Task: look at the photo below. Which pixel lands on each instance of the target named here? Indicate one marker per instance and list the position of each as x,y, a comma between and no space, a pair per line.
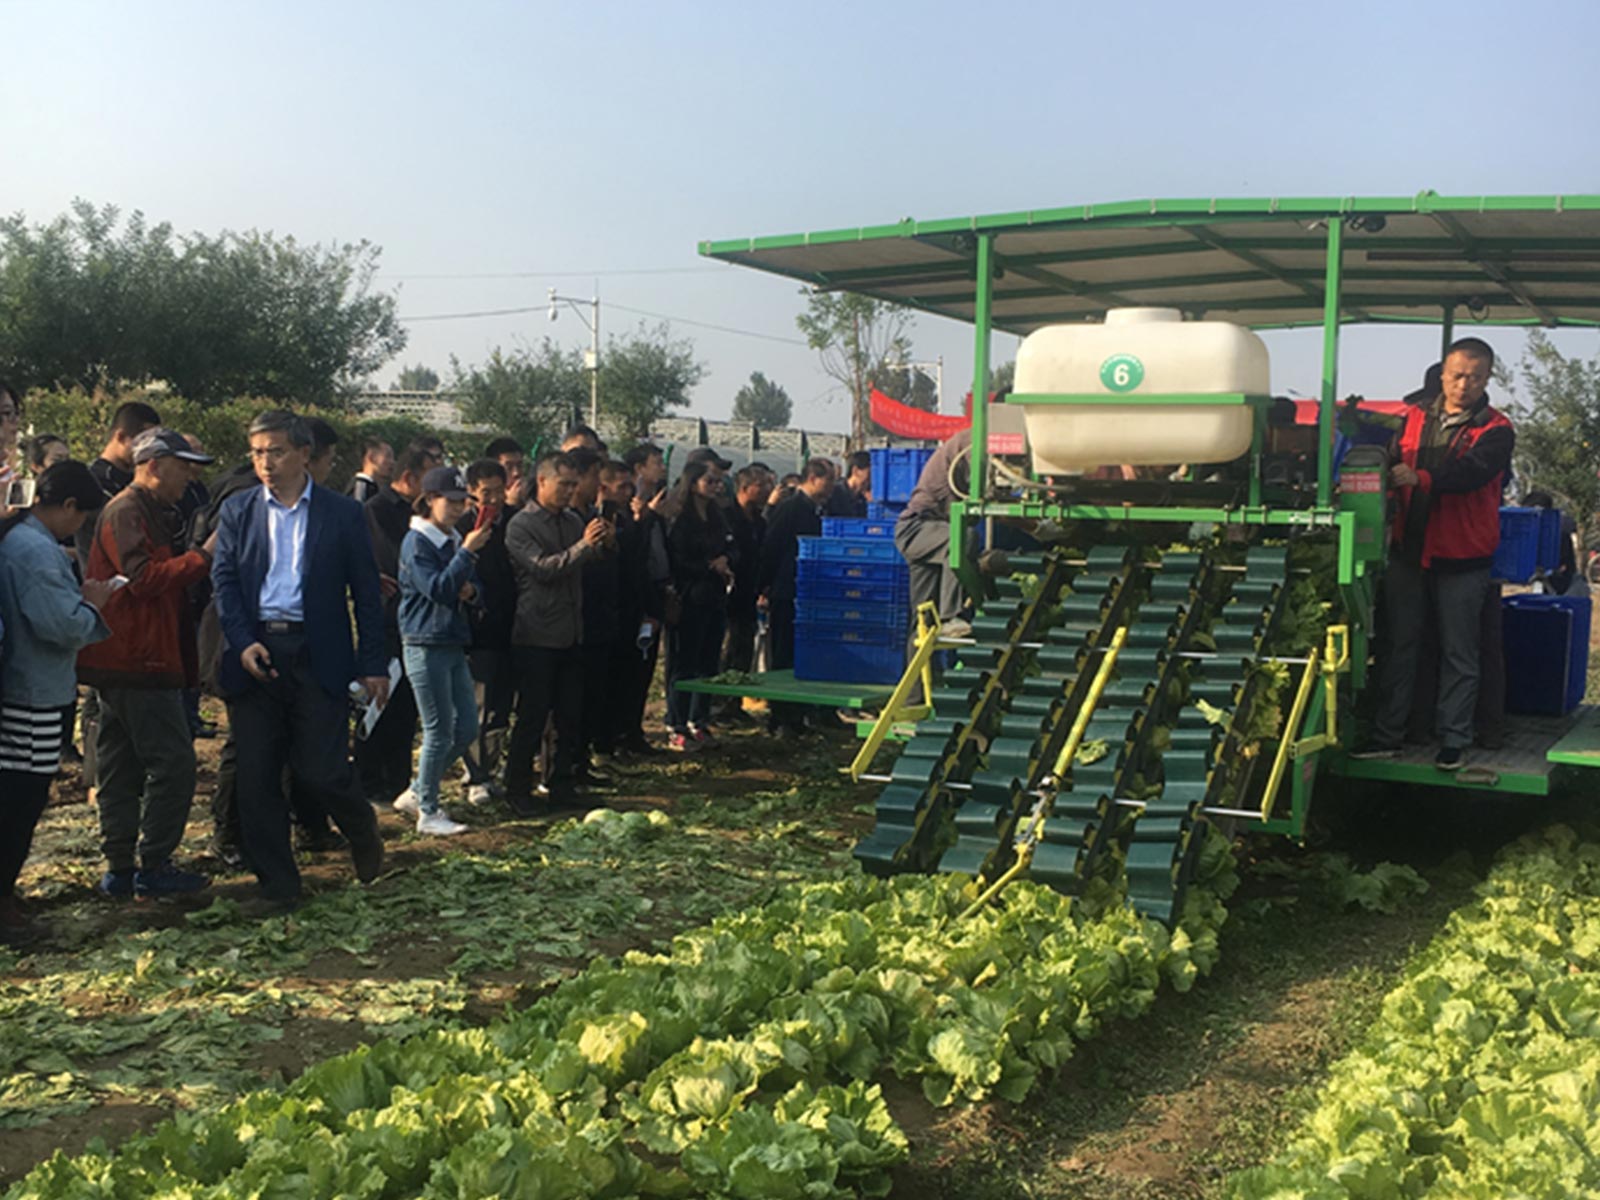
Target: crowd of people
507,613
512,613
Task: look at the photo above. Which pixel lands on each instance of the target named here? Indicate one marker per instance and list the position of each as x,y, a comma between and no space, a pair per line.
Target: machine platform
784,688
1534,748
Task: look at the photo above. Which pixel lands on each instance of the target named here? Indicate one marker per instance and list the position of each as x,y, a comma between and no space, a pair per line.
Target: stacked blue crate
895,470
853,604
884,510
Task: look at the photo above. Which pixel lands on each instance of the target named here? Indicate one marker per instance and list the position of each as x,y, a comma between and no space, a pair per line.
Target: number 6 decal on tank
1121,373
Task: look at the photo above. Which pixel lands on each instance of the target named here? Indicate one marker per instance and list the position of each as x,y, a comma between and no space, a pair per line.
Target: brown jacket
152,643
547,554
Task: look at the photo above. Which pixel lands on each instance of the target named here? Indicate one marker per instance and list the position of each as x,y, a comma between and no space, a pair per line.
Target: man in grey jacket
548,544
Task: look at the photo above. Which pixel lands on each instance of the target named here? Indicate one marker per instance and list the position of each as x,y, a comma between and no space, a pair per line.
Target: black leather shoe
524,805
318,841
367,855
260,908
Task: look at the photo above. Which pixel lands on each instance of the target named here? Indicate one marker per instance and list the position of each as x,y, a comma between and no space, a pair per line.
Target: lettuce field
700,995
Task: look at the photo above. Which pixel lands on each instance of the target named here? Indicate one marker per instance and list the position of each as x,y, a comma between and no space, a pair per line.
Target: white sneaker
479,793
438,824
406,802
955,630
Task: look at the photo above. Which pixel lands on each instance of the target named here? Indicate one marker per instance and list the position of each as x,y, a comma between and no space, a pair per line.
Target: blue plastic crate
849,550
1549,540
1547,638
895,470
1517,558
863,654
883,510
856,527
895,613
854,591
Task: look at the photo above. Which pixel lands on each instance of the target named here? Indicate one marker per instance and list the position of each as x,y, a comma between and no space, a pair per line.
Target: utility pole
858,421
592,358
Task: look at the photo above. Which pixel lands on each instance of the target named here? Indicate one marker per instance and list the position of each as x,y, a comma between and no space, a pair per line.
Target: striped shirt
31,738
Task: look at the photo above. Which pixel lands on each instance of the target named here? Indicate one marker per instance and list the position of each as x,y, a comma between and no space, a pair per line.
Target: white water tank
1139,352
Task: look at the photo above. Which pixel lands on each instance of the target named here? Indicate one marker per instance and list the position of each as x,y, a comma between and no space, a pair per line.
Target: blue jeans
442,684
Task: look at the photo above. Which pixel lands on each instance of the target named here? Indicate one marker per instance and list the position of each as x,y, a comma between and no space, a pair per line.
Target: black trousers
494,682
549,686
640,674
303,804
383,757
780,648
741,651
292,720
26,794
600,695
623,715
694,649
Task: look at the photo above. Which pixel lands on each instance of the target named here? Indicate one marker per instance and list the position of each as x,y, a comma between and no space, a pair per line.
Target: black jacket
797,517
747,533
694,543
845,503
491,618
602,595
389,520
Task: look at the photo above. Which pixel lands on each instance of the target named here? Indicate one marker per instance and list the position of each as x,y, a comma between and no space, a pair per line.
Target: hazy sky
562,141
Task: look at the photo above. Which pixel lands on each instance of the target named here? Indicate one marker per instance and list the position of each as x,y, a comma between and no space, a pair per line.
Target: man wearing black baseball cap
143,745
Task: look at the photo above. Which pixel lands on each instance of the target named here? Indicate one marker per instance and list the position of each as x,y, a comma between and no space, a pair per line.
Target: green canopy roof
1499,260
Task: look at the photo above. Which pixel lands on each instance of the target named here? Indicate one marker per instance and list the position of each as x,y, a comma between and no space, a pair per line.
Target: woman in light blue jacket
47,618
438,578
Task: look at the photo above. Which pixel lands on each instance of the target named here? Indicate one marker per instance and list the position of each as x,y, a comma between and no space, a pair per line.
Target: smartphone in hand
486,516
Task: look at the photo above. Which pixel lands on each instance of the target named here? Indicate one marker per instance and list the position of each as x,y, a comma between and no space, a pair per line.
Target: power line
644,312
639,312
563,274
464,316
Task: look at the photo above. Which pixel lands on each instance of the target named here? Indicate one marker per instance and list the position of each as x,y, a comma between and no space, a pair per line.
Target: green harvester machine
1159,664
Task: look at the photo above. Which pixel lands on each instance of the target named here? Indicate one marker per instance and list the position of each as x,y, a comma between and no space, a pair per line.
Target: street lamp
592,358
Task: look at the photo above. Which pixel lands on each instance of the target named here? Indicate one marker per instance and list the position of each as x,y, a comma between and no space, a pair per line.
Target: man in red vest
1448,469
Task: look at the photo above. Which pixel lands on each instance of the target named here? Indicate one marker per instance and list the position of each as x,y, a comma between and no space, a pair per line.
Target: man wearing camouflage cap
146,756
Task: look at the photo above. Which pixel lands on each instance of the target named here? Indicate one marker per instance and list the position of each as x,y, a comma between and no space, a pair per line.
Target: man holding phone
489,657
292,560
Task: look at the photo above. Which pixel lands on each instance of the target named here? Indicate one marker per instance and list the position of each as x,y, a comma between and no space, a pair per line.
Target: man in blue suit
291,559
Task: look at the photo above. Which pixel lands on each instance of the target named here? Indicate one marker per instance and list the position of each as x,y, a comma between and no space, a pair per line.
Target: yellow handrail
1028,838
1335,659
919,670
1287,739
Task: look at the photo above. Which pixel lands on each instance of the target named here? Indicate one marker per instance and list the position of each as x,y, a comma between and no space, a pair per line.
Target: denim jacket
433,566
47,620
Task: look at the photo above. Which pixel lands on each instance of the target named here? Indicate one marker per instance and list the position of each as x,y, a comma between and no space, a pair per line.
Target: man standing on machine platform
1448,469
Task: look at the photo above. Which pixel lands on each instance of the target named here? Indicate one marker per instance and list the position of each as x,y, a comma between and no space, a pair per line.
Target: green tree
1003,377
1557,416
529,394
855,335
416,379
91,301
644,376
762,403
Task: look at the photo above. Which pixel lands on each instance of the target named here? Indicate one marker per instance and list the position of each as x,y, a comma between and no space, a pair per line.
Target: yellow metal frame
1330,662
899,707
1028,837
